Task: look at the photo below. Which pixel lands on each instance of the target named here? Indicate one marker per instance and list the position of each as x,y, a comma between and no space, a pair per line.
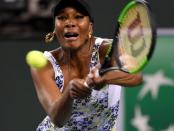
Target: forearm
60,111
57,104
122,78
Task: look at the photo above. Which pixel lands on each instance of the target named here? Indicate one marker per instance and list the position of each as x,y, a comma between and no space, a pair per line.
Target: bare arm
114,77
122,78
56,104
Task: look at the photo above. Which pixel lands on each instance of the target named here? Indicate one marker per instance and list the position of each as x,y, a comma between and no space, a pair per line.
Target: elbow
56,118
56,121
138,79
60,112
59,124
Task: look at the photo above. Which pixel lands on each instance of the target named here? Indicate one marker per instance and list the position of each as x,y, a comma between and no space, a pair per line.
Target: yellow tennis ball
36,59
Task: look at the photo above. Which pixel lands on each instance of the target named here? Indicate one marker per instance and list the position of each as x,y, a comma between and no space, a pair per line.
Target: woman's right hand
78,90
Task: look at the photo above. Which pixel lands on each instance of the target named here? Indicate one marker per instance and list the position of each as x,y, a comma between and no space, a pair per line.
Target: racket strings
135,37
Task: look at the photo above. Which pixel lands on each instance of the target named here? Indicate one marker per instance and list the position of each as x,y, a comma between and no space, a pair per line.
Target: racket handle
86,84
93,73
88,80
99,73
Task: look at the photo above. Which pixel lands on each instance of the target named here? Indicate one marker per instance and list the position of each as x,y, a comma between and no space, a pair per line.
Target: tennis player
70,105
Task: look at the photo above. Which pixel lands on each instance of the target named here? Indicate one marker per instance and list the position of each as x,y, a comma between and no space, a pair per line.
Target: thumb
95,71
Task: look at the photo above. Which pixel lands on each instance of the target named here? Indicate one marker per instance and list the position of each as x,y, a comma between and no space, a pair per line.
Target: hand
78,89
94,80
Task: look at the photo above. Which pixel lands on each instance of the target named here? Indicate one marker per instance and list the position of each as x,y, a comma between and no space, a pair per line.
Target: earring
49,37
89,35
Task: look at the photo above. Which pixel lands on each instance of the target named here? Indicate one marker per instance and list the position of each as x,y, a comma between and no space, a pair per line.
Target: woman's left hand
94,80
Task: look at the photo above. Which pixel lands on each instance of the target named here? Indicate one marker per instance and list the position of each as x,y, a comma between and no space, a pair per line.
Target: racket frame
114,46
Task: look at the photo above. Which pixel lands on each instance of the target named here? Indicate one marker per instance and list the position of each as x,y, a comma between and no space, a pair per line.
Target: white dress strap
57,70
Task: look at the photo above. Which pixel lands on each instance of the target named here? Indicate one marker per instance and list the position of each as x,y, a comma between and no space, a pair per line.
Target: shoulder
105,45
56,53
107,40
102,41
47,70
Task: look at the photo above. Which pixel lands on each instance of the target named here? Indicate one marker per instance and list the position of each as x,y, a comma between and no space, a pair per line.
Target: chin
68,47
72,45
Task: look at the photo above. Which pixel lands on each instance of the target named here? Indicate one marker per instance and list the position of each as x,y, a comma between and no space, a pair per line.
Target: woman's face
72,28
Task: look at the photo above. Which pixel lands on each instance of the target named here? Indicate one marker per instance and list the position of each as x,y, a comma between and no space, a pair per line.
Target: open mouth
71,35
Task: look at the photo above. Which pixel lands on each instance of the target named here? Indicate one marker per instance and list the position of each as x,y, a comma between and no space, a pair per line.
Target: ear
91,28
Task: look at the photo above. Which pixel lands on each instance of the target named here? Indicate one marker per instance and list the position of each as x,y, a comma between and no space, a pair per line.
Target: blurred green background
154,98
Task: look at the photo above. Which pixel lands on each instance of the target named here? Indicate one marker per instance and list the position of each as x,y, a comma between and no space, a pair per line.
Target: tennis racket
134,39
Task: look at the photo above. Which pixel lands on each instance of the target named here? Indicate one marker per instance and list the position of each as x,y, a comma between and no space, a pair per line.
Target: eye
61,17
79,16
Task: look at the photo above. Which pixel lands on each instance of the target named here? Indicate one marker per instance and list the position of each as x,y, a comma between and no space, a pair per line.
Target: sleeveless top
96,113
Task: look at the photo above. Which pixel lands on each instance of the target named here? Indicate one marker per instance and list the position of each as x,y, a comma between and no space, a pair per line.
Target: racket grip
94,73
88,81
101,72
86,84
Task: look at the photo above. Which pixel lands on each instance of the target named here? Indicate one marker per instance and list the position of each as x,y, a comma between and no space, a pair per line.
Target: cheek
84,29
58,26
58,29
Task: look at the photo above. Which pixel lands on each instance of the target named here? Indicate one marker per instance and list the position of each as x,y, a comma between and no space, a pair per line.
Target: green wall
157,103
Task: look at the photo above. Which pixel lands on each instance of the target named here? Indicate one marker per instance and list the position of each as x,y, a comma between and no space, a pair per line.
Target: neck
80,54
79,59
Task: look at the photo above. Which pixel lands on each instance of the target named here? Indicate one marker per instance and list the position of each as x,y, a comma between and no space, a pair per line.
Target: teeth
69,34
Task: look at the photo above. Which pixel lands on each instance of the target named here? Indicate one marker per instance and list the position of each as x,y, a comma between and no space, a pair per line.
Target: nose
70,23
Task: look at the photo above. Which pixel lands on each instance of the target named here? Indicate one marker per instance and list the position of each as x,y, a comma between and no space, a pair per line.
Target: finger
96,72
72,95
81,92
78,83
77,94
86,84
88,81
79,87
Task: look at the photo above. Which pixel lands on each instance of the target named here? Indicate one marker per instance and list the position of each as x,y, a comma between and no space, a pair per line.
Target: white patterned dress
96,113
